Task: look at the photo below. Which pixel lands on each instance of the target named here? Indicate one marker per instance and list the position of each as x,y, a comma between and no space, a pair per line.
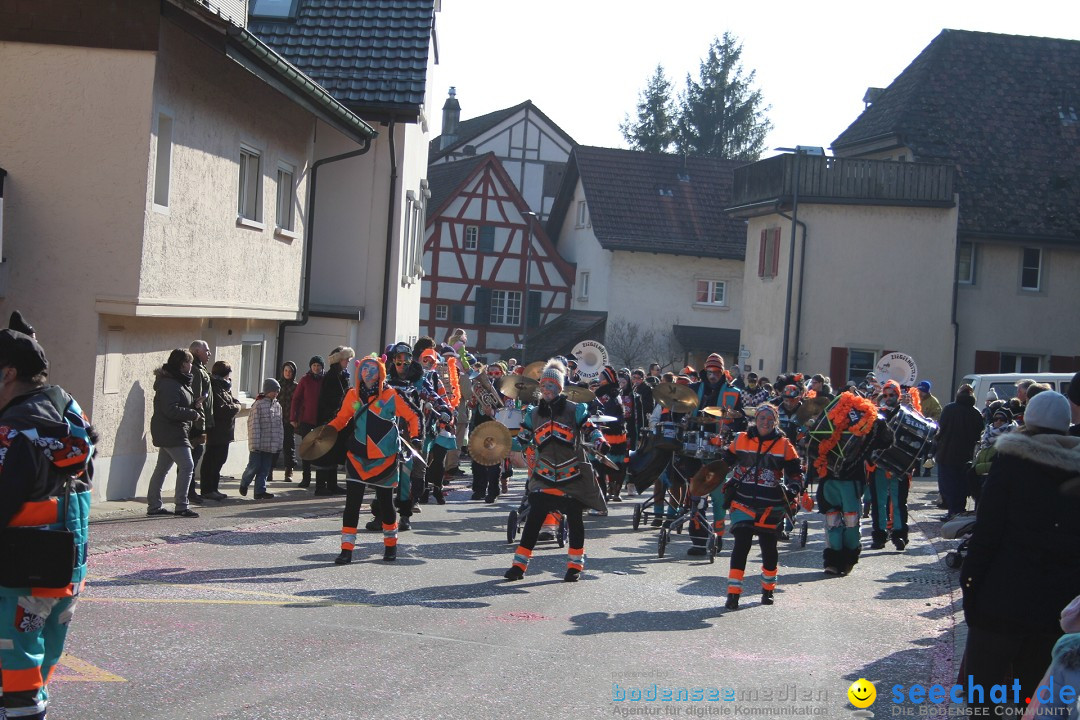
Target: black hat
23,353
18,324
316,359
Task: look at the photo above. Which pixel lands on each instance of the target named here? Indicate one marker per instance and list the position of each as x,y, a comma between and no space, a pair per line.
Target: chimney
871,96
451,113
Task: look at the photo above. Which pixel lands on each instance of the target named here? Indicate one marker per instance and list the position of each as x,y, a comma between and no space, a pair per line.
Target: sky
585,62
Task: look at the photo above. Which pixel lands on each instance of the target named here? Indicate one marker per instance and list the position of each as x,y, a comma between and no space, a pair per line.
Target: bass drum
912,436
846,451
646,465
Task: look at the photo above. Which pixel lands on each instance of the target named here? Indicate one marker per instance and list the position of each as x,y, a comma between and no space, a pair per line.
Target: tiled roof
370,54
469,130
1002,108
694,338
653,202
560,336
445,178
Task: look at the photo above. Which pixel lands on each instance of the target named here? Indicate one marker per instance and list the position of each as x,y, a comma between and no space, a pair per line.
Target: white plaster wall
196,251
74,138
995,314
580,247
876,278
405,300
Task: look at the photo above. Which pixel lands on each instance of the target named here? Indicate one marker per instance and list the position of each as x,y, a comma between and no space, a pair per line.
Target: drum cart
515,521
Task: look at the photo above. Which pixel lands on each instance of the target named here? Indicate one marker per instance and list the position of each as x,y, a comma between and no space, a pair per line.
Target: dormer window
273,9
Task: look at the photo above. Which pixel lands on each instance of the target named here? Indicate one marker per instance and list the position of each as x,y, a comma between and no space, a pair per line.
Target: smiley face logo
862,693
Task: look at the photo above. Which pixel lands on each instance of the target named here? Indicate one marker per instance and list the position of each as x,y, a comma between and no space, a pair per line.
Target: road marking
84,671
208,601
280,598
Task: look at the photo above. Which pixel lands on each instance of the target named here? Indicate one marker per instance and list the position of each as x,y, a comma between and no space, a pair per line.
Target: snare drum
667,436
912,435
509,417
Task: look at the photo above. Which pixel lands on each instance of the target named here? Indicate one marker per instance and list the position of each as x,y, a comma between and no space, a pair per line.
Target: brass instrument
485,393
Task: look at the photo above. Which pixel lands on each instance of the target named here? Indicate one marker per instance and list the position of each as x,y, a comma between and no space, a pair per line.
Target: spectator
226,407
1074,403
304,407
200,390
265,437
1022,398
654,370
1064,670
288,389
931,408
331,394
1026,536
170,431
42,490
1036,388
959,429
1001,422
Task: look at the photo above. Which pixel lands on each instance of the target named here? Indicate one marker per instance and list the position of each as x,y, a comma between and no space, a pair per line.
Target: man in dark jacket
200,390
331,394
959,430
46,446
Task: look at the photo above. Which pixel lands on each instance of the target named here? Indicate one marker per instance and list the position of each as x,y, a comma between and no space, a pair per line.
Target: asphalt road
241,614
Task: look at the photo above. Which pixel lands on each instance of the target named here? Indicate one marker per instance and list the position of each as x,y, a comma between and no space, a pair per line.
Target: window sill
160,210
710,306
280,232
242,221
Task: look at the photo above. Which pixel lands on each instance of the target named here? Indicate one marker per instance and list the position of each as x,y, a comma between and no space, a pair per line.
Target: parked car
1004,384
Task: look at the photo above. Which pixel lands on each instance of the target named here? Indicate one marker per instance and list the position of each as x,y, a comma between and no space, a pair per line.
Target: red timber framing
457,277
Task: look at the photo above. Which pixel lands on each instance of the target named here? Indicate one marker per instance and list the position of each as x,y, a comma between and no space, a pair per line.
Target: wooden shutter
838,367
482,314
486,239
775,252
457,312
987,361
761,253
533,311
1063,363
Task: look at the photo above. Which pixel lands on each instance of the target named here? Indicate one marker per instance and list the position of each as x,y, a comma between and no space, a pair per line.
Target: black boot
344,558
389,553
900,539
832,560
439,496
305,482
572,575
404,523
766,597
849,558
877,539
514,573
320,486
732,601
375,524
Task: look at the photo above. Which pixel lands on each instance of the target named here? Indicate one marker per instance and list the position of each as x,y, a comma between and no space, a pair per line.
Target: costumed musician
407,377
377,411
888,491
445,438
643,404
485,401
560,478
609,402
767,475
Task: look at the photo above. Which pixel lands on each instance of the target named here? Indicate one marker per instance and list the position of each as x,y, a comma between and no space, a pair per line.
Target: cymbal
716,411
576,393
810,408
489,443
676,398
533,369
709,419
599,419
597,455
318,442
519,387
708,478
410,450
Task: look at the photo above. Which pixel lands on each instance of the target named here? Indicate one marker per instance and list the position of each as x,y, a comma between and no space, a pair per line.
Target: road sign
744,354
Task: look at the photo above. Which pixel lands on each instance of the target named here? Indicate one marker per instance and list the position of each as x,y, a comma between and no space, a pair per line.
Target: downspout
309,232
389,235
791,262
802,272
955,322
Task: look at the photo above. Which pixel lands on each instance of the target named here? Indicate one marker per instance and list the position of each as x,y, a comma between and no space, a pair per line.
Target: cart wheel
710,547
637,515
561,536
804,530
661,544
512,526
953,560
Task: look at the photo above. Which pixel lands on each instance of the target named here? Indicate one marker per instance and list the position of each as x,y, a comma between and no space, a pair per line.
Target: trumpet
485,393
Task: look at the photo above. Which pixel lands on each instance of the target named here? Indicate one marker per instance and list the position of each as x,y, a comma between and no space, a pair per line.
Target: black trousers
540,504
486,480
213,460
436,472
744,539
354,498
288,448
994,658
302,430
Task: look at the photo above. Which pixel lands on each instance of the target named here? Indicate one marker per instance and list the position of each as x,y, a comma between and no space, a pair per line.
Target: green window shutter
534,308
486,240
457,313
482,316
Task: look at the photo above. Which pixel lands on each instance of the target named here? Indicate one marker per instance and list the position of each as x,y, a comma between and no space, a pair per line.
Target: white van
1004,384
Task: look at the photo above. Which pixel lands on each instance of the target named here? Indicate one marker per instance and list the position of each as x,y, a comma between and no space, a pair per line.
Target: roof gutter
258,57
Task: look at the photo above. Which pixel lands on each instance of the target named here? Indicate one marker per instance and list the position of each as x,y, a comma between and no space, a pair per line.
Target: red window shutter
987,361
838,367
1061,363
886,352
776,252
761,253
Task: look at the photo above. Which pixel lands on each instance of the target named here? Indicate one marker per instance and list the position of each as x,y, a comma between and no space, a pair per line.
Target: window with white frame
251,366
582,214
583,286
471,234
860,362
442,312
965,263
412,267
1017,363
1031,270
163,162
711,292
286,196
505,307
249,202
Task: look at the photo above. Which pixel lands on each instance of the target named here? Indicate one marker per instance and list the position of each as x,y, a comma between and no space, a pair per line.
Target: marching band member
486,478
372,456
888,493
787,407
755,393
554,429
767,475
609,402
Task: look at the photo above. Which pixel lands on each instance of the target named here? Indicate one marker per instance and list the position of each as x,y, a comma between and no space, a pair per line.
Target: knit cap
555,371
271,385
714,362
1049,410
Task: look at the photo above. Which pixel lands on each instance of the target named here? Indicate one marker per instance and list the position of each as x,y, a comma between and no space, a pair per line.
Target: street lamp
529,216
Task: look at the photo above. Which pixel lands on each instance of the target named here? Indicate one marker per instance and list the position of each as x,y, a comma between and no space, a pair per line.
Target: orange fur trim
840,415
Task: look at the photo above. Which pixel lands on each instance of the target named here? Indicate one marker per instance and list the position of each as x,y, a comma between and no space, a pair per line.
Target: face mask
549,390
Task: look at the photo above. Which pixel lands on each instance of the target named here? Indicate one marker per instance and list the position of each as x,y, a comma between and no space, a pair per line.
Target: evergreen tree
654,129
721,114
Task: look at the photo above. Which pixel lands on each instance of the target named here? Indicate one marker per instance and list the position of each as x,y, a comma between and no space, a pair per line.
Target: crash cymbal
715,411
318,442
709,419
489,443
533,369
676,398
576,393
599,419
810,408
519,387
597,455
